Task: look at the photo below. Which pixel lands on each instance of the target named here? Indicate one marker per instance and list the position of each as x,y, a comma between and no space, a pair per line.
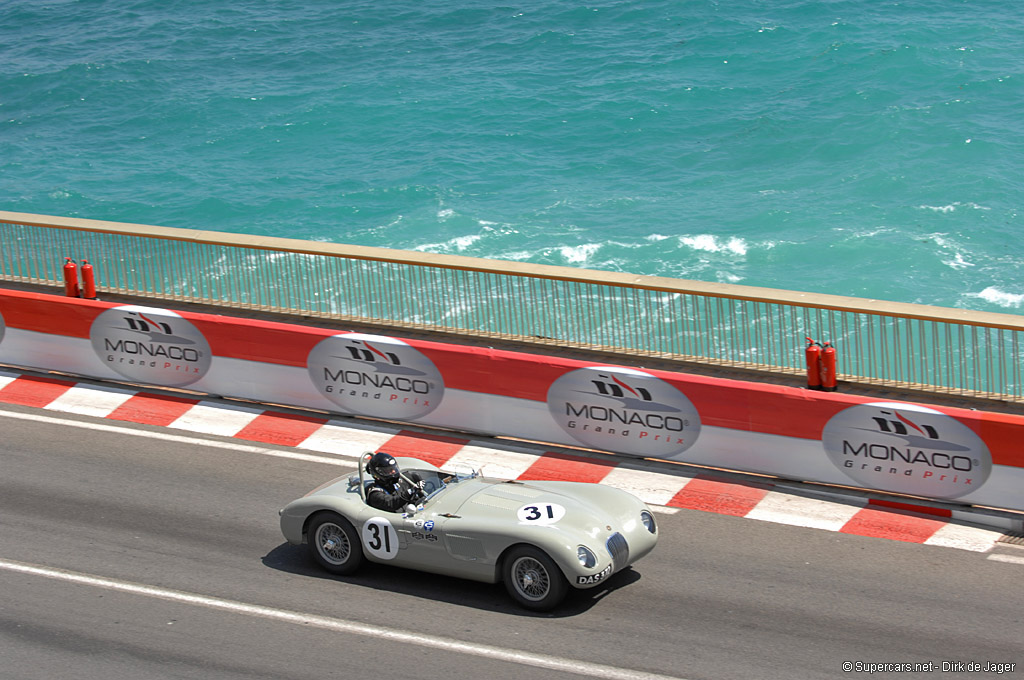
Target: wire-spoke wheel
533,579
334,544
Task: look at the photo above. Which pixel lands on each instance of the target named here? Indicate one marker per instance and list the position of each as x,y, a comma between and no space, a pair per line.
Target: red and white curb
707,492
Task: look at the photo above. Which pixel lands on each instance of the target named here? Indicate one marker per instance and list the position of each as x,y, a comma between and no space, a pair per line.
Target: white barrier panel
941,453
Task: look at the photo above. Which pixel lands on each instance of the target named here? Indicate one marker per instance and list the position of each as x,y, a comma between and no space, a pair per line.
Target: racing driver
390,491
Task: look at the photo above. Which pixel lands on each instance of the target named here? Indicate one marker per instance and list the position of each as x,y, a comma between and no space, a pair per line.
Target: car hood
593,509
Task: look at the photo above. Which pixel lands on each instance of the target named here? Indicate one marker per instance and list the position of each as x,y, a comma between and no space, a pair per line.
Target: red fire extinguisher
828,368
70,278
813,356
88,281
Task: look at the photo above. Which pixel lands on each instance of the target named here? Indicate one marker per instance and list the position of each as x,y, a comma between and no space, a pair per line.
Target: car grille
618,548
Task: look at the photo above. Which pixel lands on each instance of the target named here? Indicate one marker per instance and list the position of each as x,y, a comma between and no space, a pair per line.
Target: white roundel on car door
380,538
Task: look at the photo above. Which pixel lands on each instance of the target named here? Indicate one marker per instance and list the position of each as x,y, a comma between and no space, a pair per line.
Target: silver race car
537,537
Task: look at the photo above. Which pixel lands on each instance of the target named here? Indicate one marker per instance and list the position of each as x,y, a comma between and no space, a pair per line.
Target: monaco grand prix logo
907,448
154,346
376,376
624,410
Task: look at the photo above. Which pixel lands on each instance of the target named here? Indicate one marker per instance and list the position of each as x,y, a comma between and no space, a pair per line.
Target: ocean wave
999,297
457,244
958,262
714,244
953,255
579,254
952,207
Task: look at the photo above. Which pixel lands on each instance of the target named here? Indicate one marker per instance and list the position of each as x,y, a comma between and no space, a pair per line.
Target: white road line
180,439
335,437
90,400
654,488
805,512
554,663
1012,559
663,510
492,462
211,418
963,537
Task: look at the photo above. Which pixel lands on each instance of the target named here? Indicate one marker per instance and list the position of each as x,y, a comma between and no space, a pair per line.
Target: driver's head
383,468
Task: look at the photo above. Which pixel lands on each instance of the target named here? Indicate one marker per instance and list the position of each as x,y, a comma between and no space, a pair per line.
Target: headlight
648,520
586,556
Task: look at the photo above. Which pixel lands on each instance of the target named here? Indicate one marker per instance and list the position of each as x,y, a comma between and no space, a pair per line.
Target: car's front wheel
533,579
334,544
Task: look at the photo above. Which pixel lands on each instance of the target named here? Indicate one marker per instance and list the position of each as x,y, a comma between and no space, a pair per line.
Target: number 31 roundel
380,538
540,513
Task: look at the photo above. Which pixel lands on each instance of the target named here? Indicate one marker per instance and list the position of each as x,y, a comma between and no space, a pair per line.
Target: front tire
334,544
533,579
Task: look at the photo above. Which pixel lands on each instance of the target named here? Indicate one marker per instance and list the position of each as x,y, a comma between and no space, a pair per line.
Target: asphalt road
125,556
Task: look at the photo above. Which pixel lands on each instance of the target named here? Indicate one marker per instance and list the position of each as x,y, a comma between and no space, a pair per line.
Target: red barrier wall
938,452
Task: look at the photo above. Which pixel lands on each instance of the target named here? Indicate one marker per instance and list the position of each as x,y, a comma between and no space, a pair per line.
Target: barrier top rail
883,342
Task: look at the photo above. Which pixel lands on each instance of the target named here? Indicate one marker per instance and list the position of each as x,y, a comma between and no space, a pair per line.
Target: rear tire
334,544
533,579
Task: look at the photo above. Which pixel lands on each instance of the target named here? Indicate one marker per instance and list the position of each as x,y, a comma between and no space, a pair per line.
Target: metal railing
945,350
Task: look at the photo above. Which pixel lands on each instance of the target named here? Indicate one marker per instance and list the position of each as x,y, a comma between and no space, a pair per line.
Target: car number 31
541,513
380,538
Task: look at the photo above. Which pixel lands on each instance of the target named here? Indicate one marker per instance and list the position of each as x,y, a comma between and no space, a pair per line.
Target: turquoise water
867,149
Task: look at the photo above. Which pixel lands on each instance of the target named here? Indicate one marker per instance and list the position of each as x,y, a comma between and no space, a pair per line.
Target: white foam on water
953,207
463,242
457,244
955,257
516,255
579,254
713,244
958,262
999,297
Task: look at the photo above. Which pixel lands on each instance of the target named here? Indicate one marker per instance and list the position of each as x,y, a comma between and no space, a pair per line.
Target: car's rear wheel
533,579
334,543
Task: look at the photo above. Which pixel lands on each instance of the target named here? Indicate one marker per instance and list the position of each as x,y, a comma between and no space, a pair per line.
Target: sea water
872,149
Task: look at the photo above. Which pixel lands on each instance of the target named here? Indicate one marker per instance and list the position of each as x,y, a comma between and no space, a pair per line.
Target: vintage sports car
539,538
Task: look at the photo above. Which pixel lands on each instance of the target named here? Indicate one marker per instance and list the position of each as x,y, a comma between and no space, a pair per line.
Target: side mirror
410,509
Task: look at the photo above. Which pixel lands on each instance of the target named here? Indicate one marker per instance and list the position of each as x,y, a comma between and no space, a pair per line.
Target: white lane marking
91,400
545,661
1012,559
651,487
492,462
333,437
179,439
210,418
802,511
963,537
